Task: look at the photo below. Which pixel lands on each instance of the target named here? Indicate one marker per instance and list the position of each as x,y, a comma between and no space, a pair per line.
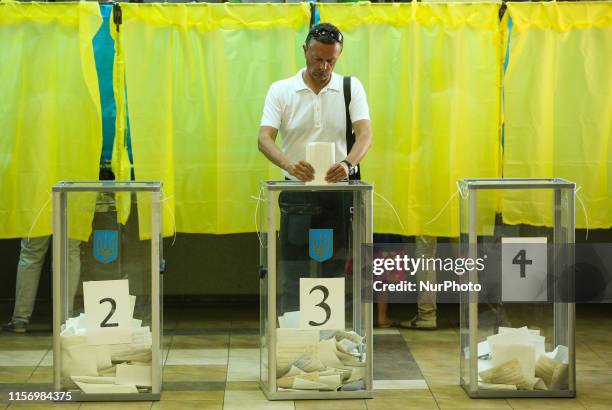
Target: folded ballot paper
321,155
515,359
310,359
106,368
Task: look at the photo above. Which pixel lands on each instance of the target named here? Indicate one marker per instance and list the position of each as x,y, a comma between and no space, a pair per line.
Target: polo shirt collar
335,83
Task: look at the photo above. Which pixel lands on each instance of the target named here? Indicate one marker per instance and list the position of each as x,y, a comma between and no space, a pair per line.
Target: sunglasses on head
323,33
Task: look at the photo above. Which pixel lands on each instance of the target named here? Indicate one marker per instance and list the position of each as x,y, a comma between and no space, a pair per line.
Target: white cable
164,199
444,207
394,211
463,195
586,217
38,216
258,199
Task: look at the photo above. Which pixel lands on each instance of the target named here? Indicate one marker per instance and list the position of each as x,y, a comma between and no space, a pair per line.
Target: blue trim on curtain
104,54
506,60
316,18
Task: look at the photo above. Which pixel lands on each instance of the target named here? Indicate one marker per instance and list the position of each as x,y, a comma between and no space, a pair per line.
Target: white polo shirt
301,116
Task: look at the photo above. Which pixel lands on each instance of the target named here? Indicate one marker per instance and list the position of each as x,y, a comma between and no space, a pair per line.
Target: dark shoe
386,325
418,323
15,327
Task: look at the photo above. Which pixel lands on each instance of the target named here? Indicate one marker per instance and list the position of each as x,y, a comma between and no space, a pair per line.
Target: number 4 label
107,311
322,303
524,269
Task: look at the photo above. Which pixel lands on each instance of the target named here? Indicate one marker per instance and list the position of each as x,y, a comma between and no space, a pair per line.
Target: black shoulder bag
350,135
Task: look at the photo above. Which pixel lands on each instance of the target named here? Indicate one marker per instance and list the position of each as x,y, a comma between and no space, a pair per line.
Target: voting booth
517,310
316,329
107,290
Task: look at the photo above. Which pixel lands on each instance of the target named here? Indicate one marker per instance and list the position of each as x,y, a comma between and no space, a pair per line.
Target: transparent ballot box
107,290
517,307
316,328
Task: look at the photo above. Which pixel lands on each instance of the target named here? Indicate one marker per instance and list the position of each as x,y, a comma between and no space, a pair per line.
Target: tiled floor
212,358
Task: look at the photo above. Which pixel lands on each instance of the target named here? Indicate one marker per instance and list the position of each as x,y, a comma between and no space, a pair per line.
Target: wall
195,265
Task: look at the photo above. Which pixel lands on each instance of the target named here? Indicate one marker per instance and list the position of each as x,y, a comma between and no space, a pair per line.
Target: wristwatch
352,169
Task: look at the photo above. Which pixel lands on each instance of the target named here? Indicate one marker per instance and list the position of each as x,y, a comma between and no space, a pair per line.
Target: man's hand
302,170
337,172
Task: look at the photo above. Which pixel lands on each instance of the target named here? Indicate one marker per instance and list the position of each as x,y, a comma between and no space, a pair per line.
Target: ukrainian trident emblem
321,244
105,246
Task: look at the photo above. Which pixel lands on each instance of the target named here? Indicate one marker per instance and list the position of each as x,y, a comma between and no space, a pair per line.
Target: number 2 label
108,314
113,307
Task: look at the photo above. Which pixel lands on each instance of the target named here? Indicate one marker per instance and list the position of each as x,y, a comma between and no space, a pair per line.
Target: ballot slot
107,290
316,331
517,335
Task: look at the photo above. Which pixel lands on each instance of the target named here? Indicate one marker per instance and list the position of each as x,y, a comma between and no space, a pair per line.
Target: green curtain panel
196,77
50,121
432,73
558,108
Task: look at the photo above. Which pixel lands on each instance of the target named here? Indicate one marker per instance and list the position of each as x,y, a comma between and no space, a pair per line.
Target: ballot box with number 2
316,328
107,290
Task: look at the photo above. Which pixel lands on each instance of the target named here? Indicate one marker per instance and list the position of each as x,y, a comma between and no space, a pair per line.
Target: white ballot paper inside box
107,312
139,375
321,155
503,330
289,320
97,388
521,336
132,305
297,347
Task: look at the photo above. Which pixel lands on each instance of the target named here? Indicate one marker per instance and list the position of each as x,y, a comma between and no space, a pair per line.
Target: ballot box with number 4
517,303
107,290
316,326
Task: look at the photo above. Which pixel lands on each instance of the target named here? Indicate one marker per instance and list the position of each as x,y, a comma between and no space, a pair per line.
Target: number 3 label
322,303
107,311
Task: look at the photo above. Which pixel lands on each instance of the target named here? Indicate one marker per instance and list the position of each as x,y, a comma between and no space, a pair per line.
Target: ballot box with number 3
316,326
517,308
107,290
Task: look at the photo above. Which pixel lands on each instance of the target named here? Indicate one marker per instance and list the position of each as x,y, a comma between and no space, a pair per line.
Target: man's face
321,59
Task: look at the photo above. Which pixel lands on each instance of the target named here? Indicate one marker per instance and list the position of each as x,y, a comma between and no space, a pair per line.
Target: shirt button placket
317,112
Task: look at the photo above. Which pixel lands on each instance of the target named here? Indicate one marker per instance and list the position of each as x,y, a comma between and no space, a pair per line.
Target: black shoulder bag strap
350,135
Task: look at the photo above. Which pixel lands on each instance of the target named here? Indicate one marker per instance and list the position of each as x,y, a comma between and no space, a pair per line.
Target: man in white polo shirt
310,107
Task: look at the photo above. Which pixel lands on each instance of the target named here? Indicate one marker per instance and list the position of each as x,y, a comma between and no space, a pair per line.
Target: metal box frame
60,254
362,311
564,313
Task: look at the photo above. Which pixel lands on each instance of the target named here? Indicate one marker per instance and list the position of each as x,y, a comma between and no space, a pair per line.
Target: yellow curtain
432,73
558,107
196,78
50,121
